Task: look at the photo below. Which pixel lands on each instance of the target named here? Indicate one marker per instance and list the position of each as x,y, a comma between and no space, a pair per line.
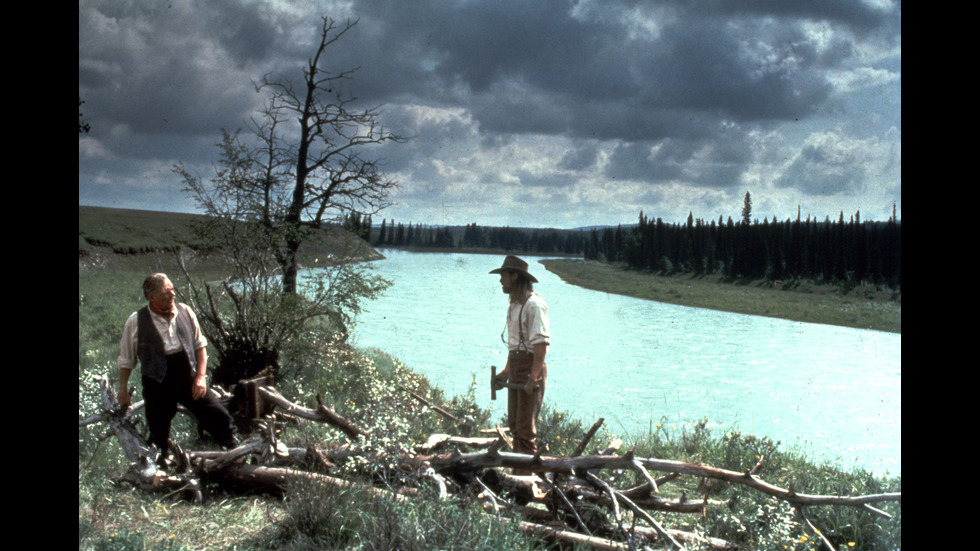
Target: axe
514,386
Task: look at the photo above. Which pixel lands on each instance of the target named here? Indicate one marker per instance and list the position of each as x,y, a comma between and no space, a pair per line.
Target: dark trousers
161,399
522,410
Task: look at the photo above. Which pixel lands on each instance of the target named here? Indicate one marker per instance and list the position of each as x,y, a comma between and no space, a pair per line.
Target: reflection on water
835,392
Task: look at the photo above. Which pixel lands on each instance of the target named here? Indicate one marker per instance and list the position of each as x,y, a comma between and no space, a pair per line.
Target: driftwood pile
560,484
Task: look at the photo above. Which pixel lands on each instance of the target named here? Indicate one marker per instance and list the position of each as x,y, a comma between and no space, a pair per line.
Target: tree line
414,235
832,252
474,236
847,252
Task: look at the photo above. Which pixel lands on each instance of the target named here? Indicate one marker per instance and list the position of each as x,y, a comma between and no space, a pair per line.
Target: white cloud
853,80
831,163
91,148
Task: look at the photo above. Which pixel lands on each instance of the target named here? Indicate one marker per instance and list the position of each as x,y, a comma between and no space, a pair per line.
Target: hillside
129,231
110,237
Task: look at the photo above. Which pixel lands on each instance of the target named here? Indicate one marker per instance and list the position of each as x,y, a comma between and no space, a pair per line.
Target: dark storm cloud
680,85
507,58
149,70
581,157
550,67
858,15
655,92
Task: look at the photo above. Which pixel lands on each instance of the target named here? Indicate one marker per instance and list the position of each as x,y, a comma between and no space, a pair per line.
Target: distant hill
128,231
103,230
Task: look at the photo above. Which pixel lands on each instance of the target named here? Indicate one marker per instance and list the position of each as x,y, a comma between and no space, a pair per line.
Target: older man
166,340
527,343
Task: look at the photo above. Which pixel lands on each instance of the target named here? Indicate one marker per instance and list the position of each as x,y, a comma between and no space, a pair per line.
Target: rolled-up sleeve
539,331
199,340
127,345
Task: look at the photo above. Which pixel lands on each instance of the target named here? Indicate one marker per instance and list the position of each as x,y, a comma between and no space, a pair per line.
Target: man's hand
200,387
530,386
501,378
123,398
498,382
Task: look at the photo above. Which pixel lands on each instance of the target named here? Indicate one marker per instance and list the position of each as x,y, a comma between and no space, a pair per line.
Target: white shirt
536,329
165,326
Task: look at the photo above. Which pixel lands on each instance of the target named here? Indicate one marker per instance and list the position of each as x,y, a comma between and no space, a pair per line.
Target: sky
521,113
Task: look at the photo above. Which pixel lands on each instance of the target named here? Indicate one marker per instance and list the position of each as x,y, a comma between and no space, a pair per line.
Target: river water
829,391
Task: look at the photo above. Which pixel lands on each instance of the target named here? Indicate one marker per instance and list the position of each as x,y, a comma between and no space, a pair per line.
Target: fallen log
322,413
437,441
263,463
261,477
550,533
571,465
616,496
134,446
535,520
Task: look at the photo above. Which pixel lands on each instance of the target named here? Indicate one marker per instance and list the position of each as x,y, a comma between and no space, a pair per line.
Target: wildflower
850,544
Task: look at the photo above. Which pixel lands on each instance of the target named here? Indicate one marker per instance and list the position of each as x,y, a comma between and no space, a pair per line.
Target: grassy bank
364,386
863,307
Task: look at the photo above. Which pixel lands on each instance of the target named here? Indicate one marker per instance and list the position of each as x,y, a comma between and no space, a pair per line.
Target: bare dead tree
324,170
303,164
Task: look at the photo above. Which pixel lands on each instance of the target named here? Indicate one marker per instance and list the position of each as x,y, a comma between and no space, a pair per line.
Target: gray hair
153,282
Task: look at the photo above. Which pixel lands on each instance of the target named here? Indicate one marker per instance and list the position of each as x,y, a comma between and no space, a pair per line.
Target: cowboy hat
514,264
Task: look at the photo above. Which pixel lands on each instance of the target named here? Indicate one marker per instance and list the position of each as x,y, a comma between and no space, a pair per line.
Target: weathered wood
535,519
643,498
549,533
322,413
437,441
256,405
636,510
308,457
135,447
570,465
263,462
278,478
588,436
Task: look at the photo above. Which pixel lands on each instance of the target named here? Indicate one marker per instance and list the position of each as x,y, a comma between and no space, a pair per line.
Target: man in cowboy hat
527,343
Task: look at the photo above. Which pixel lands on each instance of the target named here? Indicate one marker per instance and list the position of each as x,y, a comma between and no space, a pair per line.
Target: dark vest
149,344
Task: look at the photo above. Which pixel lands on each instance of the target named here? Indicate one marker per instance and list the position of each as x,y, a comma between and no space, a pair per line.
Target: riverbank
863,307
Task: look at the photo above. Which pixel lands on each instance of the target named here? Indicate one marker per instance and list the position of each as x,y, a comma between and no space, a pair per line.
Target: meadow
864,306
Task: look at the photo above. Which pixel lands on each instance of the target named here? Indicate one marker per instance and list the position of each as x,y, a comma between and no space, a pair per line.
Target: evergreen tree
381,233
747,209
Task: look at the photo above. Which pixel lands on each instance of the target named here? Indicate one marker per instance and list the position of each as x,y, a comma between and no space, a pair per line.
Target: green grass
131,231
366,386
863,307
